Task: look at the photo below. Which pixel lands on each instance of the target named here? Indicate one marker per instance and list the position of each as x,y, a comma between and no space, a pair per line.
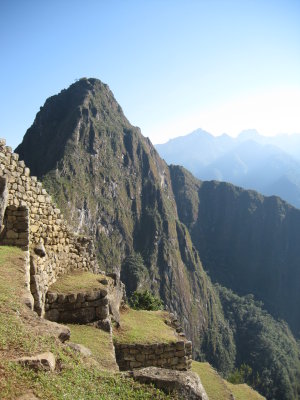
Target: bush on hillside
145,301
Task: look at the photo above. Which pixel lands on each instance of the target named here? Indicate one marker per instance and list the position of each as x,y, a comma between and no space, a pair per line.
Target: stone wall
177,355
33,222
81,308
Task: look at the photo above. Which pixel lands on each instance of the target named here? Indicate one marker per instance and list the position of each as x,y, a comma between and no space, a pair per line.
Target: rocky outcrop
187,384
40,362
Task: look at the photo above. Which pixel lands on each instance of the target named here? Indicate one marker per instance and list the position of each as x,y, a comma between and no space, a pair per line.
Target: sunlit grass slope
144,327
20,335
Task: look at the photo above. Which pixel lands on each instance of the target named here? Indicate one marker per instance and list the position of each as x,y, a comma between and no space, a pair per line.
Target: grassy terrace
144,327
212,382
77,281
219,389
243,392
98,341
21,334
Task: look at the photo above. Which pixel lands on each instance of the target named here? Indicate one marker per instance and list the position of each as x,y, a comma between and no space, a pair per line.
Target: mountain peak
70,117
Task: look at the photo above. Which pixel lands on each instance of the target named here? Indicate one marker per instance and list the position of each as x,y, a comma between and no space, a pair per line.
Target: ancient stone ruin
30,220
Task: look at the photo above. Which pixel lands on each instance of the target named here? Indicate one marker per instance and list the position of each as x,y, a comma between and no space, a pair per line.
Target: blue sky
173,66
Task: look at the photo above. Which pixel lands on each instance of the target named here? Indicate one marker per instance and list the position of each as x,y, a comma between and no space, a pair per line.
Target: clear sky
174,66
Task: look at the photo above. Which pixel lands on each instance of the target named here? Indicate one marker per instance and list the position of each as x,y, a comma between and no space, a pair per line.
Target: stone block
180,345
72,297
102,312
12,234
52,315
93,295
135,364
40,362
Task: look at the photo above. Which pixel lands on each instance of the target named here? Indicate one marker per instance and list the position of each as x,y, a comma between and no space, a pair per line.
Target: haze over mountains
270,165
111,183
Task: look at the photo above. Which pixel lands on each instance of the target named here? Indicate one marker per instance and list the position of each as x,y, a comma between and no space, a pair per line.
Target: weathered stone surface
79,348
40,362
3,198
104,324
28,299
157,354
187,384
63,332
39,249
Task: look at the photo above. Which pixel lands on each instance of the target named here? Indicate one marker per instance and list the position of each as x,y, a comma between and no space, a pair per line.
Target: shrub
145,301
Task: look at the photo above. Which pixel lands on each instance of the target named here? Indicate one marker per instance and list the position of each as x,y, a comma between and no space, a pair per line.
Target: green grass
19,335
219,389
211,381
77,281
139,326
98,341
243,392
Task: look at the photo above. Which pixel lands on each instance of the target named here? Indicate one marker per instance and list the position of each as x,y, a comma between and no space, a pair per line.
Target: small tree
145,301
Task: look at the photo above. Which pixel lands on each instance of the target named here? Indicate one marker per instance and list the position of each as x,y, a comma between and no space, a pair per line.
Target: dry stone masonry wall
177,355
31,220
81,307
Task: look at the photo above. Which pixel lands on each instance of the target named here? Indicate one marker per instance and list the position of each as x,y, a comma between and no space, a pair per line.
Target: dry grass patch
211,381
144,327
77,281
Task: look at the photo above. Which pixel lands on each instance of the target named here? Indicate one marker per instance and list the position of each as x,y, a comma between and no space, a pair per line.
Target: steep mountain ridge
247,242
110,182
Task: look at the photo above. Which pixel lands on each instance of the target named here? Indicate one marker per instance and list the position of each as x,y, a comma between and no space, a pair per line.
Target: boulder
28,299
187,384
104,325
79,348
62,332
39,362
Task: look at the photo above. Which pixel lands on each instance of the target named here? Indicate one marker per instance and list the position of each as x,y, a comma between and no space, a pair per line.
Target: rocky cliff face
110,182
247,242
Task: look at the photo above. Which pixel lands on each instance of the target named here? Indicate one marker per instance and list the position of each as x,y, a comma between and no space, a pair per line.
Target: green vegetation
243,392
134,274
98,341
144,327
21,334
266,346
244,374
218,388
76,281
212,382
145,301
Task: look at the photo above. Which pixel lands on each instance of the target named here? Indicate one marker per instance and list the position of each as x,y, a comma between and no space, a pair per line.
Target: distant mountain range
270,165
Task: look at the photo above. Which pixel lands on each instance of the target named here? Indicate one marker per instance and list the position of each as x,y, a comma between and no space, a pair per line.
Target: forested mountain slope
247,242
